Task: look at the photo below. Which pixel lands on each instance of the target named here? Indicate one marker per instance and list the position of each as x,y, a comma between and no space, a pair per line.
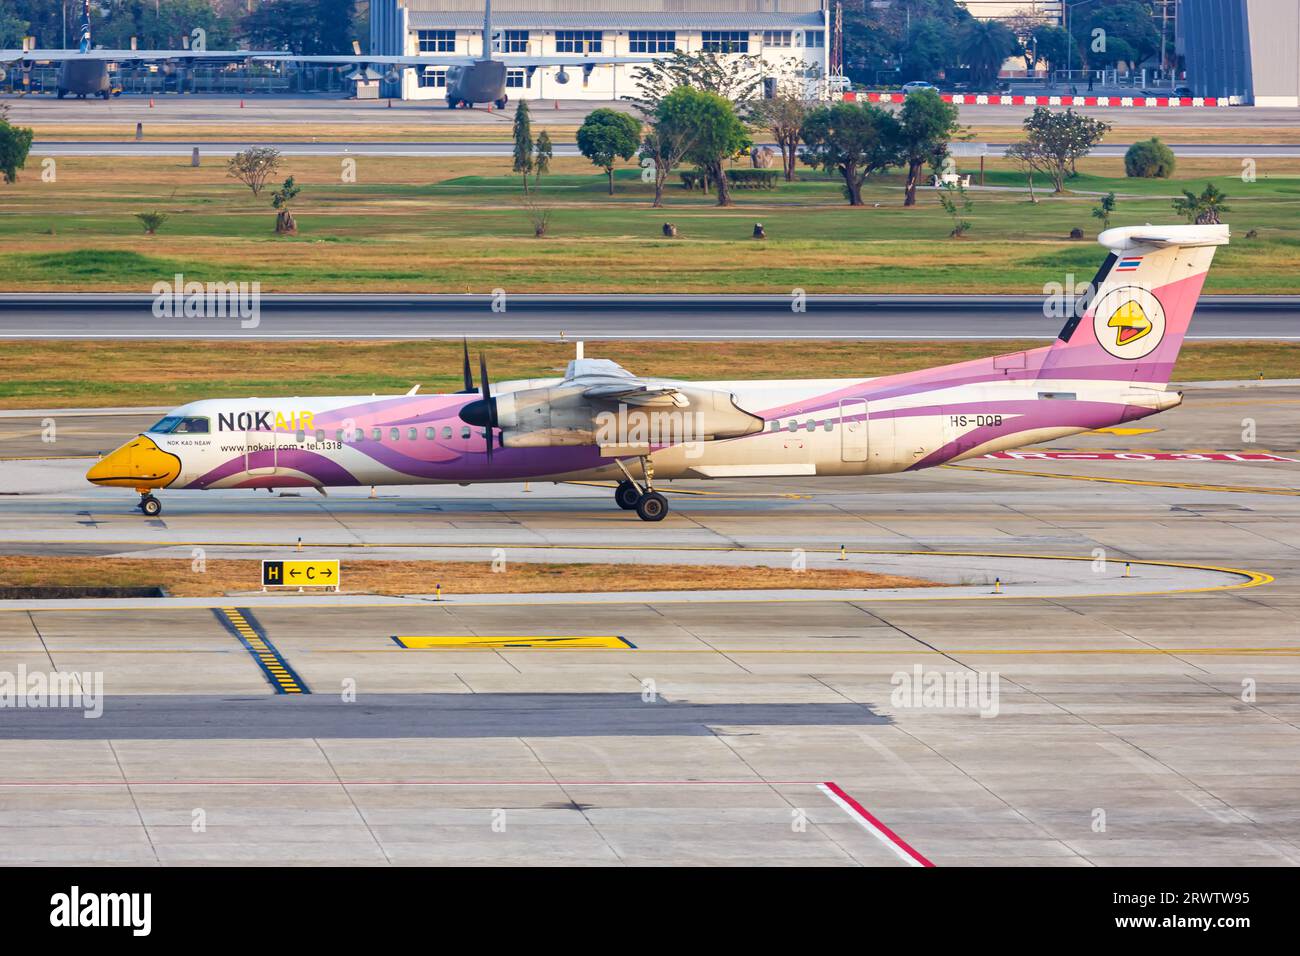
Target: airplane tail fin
1140,307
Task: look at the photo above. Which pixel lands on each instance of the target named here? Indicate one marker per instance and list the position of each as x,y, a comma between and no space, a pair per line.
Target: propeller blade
491,408
467,373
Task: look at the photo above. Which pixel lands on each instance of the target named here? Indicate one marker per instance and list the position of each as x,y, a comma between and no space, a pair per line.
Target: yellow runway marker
1123,432
969,652
472,642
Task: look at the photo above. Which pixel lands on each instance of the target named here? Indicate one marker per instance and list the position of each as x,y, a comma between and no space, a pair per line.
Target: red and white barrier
995,99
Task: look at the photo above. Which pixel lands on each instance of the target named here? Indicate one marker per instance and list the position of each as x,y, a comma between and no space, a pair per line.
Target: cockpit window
178,425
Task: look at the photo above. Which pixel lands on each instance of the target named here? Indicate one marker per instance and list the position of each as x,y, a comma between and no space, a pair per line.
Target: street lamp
1069,37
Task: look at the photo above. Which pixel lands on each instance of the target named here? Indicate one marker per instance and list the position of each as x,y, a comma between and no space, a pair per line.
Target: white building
779,31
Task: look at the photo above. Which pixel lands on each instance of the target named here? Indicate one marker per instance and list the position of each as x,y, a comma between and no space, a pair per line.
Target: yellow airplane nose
139,464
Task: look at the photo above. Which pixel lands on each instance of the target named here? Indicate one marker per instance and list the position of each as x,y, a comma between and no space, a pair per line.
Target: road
291,316
503,148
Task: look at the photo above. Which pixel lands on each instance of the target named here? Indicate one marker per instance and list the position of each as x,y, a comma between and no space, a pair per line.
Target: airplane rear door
853,430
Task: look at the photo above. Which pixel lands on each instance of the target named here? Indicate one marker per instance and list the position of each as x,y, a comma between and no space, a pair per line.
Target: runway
1126,728
677,317
46,111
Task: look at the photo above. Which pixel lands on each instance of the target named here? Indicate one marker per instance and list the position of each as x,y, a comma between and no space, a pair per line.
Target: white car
914,85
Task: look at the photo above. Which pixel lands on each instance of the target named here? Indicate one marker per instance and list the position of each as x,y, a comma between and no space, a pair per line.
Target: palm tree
984,45
1205,209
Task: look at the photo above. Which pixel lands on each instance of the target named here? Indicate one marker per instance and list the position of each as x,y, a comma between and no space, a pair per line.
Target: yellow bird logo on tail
1130,323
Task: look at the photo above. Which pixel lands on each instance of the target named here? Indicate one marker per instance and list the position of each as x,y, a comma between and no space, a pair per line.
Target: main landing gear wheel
652,506
501,103
150,505
626,495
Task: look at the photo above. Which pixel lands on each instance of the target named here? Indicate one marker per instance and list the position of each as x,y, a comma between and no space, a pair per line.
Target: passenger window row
793,425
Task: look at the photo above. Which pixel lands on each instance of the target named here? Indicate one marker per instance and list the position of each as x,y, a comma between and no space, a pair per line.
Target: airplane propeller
467,373
482,413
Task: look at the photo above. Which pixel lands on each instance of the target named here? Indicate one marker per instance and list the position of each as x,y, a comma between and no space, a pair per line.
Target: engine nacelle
564,415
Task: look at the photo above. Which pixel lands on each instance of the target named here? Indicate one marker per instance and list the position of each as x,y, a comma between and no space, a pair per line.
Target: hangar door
853,430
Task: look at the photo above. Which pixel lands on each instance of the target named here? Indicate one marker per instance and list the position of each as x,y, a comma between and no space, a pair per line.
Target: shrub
753,178
152,221
1149,159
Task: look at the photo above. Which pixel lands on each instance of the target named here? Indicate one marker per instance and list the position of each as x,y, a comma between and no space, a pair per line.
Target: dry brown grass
421,577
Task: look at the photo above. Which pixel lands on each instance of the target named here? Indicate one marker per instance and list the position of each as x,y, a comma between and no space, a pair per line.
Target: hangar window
433,77
578,41
776,37
437,41
516,41
377,434
516,79
726,41
178,425
652,41
814,38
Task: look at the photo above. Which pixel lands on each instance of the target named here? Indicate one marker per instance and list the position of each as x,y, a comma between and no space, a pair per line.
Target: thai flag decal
1129,264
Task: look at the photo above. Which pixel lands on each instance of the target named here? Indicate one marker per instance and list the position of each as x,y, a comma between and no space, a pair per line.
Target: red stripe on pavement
874,824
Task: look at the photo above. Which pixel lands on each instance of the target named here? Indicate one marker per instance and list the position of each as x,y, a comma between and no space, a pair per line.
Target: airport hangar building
780,31
1244,48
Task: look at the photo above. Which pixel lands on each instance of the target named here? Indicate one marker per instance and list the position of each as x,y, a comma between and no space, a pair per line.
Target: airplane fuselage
810,427
84,78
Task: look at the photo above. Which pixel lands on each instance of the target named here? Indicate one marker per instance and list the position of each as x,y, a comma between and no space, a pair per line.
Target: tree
15,142
738,78
852,139
925,125
1104,209
1029,160
543,152
158,26
1204,209
984,45
1149,159
912,40
522,162
1128,32
607,136
956,208
716,132
300,26
152,221
13,27
285,224
670,137
783,117
1062,138
254,166
1049,44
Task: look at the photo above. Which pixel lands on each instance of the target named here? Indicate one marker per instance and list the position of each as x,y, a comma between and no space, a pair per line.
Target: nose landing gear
150,505
648,504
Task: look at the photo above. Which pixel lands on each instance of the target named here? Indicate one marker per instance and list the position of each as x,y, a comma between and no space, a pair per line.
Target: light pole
1069,37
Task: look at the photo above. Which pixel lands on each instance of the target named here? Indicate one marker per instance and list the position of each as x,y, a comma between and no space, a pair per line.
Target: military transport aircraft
470,79
85,72
1110,364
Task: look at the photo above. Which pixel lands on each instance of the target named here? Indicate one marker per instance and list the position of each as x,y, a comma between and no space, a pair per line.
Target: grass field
87,374
458,224
421,577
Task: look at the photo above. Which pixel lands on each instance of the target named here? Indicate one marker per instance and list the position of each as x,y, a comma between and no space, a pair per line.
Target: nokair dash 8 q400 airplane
1108,366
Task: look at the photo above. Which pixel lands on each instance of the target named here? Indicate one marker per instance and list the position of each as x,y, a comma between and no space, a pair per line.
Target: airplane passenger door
853,430
260,454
